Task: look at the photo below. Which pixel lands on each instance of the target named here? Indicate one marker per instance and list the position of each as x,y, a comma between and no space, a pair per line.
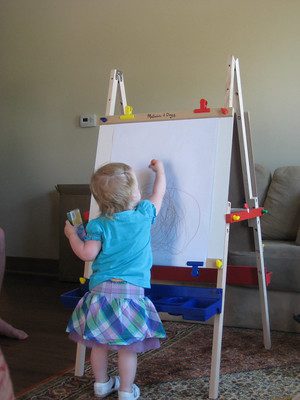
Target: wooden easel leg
116,82
262,285
218,324
81,349
255,224
216,356
248,169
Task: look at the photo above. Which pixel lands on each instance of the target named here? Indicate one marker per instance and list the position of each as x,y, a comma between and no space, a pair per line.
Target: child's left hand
69,229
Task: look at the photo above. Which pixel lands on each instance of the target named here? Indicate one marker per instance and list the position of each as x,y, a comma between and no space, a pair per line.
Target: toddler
115,314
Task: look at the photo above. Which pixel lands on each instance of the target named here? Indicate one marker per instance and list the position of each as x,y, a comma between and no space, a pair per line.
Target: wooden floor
32,303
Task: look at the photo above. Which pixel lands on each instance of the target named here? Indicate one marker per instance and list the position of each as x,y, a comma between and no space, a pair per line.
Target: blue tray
71,298
192,303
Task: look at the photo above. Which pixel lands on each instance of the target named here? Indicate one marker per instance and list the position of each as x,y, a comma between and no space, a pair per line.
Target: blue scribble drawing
173,232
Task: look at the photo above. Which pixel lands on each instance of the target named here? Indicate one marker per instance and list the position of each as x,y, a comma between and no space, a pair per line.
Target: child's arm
159,187
86,251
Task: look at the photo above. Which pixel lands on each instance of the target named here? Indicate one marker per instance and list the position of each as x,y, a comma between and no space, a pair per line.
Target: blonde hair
113,186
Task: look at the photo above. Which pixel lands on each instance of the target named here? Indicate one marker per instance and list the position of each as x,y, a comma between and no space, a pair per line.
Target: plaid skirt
114,315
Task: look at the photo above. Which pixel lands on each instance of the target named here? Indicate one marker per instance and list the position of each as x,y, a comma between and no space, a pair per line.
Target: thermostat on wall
87,121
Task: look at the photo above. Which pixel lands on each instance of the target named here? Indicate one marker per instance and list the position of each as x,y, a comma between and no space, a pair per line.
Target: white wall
56,56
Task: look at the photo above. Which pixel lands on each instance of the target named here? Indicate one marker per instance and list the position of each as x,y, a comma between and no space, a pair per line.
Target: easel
233,98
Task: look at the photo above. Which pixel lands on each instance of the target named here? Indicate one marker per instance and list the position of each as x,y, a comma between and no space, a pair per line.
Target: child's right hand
69,229
156,166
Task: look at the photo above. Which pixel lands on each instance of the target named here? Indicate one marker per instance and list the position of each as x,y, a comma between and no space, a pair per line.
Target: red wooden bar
240,275
241,215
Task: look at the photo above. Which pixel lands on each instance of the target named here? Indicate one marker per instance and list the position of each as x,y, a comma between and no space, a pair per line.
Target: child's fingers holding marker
152,164
156,165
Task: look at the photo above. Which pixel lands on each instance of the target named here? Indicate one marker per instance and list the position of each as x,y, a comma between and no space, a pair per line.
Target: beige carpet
180,369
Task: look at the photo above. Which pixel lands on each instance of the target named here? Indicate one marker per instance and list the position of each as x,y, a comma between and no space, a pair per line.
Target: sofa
280,195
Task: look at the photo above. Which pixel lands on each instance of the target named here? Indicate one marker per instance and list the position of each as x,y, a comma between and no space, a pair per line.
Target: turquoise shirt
126,248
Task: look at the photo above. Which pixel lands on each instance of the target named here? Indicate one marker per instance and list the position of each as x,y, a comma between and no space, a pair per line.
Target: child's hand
156,166
69,229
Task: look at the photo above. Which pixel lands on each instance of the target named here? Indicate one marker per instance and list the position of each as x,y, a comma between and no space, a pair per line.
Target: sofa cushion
283,204
263,180
282,258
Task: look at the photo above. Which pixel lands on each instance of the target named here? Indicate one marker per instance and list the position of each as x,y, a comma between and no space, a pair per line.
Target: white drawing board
196,154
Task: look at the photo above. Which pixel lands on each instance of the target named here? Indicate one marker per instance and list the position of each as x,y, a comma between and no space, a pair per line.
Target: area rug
180,369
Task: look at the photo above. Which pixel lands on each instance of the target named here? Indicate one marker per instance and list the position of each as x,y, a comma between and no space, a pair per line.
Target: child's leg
99,361
127,363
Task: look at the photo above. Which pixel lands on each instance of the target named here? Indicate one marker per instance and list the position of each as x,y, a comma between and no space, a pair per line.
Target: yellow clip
128,113
82,280
219,263
236,217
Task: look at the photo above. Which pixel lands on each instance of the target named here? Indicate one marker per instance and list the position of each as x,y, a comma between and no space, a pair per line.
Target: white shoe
104,389
135,394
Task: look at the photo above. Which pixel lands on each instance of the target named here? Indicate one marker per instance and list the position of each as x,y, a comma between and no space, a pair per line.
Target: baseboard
32,266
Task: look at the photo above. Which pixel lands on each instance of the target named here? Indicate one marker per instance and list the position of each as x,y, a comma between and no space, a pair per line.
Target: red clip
86,216
246,206
224,110
203,108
